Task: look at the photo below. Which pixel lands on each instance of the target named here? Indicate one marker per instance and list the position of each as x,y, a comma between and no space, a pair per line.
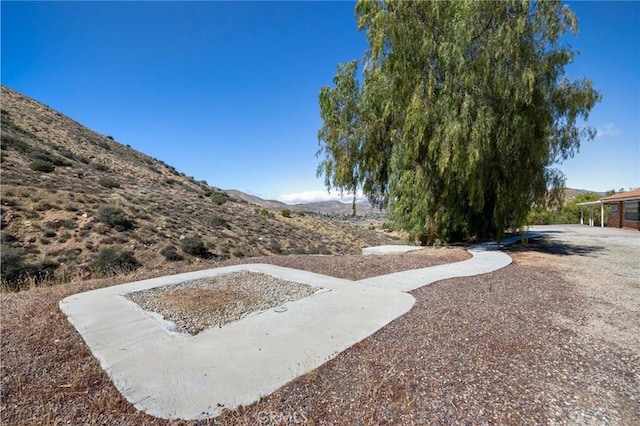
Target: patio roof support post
581,216
601,215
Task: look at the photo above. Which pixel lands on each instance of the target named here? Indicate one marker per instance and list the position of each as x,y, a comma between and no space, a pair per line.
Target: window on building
614,208
631,210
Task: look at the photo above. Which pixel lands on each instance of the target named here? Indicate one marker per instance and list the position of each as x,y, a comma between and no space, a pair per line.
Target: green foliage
170,254
570,212
220,198
219,222
540,215
112,261
463,111
16,272
9,141
567,213
68,154
102,230
42,166
194,246
342,132
38,154
108,182
11,264
49,233
266,213
101,167
21,146
114,217
286,213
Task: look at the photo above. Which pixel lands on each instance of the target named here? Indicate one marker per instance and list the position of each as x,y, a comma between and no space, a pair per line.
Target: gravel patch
551,339
197,305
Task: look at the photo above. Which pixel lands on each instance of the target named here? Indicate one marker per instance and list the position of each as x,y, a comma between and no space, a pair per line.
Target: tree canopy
458,115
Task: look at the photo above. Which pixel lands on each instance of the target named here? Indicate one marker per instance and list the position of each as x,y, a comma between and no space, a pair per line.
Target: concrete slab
382,250
177,376
486,258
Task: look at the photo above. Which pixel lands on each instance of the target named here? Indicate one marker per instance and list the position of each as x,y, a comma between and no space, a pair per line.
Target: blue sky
227,92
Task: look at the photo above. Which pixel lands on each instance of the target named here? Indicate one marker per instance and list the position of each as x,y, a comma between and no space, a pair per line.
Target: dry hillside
78,204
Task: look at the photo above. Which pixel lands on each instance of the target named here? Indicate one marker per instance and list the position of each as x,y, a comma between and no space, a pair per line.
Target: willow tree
341,132
464,111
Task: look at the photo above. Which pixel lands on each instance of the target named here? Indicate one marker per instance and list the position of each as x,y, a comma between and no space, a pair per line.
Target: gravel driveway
606,264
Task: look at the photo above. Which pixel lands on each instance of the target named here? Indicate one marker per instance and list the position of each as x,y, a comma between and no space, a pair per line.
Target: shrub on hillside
108,182
43,166
38,154
11,264
286,213
112,261
114,217
68,154
170,254
219,222
219,198
101,167
15,272
194,246
9,141
266,213
49,233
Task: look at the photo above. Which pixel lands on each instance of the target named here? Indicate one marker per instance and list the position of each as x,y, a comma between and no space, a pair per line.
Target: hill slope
68,193
364,210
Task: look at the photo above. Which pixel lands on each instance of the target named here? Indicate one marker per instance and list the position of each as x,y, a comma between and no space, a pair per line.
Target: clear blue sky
228,91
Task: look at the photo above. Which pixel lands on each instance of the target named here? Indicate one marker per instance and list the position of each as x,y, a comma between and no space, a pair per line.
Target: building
622,210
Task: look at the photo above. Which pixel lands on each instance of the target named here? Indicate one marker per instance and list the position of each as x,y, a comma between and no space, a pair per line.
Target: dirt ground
552,338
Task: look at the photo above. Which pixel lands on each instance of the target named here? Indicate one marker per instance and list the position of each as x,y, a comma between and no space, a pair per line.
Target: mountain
364,210
268,204
570,193
77,204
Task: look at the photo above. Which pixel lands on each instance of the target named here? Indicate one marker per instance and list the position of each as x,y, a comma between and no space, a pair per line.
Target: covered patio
622,210
591,205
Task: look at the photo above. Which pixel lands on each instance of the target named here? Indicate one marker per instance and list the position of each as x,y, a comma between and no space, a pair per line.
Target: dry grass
511,347
162,203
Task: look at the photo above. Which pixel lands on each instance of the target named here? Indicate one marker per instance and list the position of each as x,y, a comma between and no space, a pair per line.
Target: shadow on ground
549,246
